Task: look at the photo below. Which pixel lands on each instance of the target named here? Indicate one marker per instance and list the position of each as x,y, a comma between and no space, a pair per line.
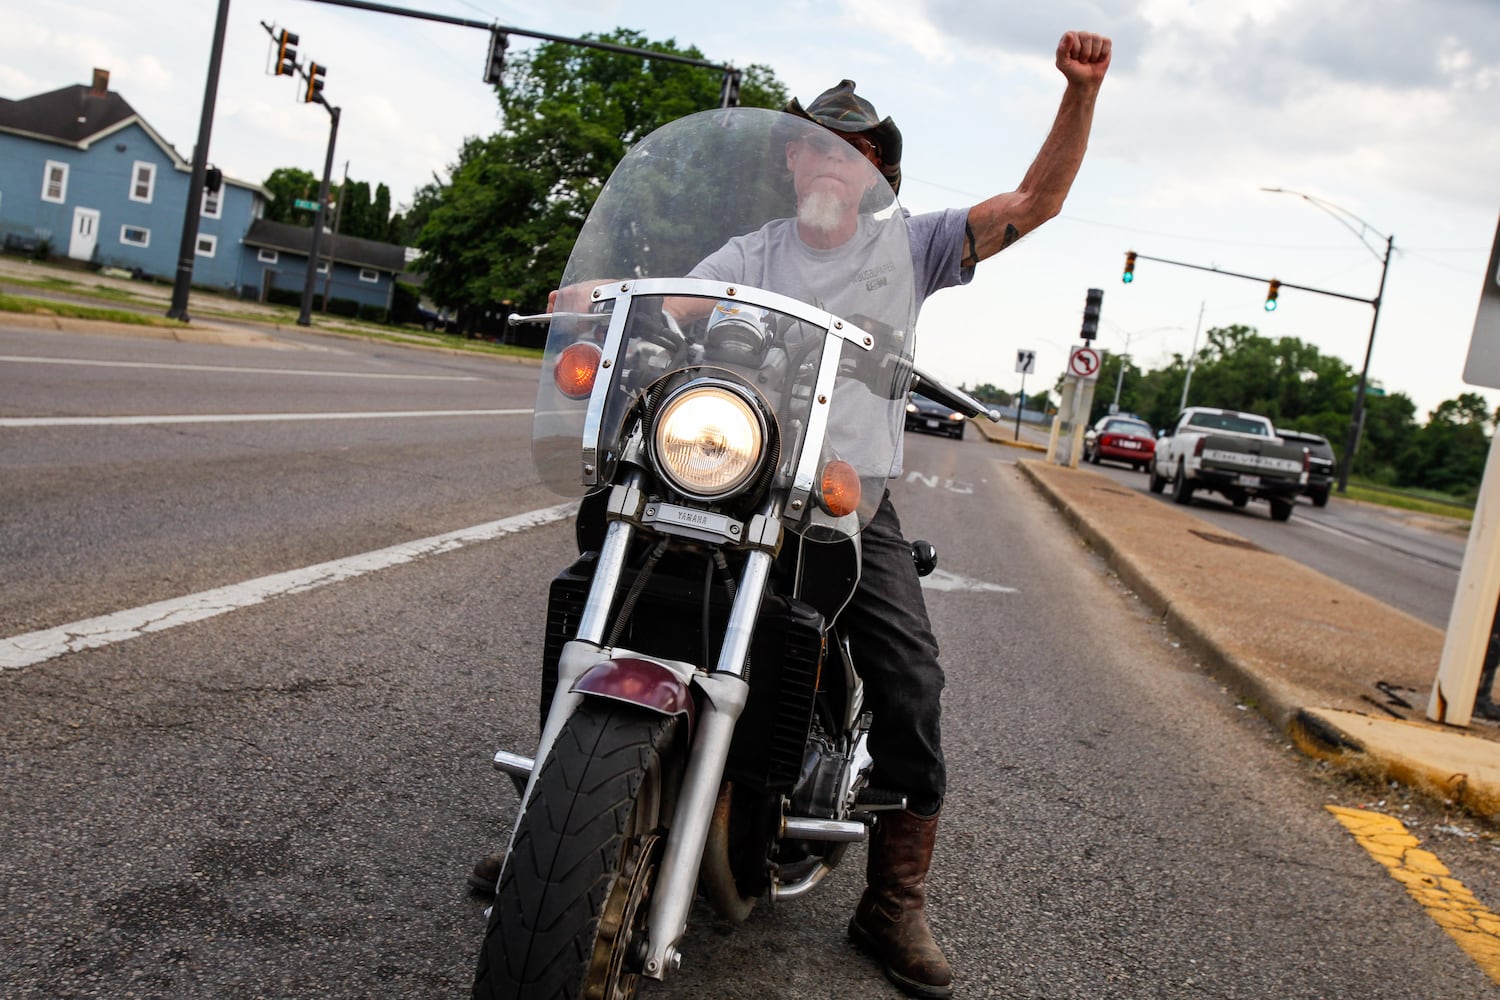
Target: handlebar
957,399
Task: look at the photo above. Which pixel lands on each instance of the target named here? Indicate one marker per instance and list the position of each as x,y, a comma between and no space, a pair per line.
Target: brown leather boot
889,922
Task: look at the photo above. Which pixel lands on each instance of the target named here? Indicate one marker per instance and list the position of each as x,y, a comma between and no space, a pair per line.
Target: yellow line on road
1428,881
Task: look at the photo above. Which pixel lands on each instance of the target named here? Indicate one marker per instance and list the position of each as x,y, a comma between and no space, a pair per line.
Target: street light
1347,219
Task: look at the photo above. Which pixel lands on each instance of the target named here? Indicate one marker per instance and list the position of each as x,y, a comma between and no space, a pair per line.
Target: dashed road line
1427,880
92,633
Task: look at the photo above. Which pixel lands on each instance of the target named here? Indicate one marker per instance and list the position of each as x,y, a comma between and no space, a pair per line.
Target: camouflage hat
839,109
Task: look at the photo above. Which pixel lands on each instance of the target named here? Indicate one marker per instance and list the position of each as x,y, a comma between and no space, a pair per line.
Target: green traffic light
1270,305
1127,277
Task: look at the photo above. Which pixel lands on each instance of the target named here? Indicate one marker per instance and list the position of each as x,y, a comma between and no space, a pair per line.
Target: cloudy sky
1387,110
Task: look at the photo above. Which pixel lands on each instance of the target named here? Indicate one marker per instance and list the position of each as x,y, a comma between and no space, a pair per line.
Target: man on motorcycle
887,619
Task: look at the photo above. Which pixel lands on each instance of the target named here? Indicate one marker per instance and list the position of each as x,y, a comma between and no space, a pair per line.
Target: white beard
822,210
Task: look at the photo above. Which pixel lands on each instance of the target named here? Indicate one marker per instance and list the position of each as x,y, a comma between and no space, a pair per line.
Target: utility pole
1192,355
187,249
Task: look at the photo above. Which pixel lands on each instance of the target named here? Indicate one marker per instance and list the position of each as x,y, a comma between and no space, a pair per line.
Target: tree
502,228
287,185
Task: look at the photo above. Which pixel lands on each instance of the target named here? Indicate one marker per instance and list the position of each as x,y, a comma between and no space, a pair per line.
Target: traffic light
1271,294
499,41
1091,313
729,93
1129,274
314,82
286,53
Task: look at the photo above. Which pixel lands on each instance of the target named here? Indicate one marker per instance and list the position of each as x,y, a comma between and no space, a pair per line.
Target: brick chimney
101,83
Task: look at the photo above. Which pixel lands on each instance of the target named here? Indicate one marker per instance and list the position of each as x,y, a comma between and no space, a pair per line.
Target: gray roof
351,250
80,116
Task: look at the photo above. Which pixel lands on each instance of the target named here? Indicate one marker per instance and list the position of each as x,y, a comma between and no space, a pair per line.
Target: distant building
81,170
350,268
82,173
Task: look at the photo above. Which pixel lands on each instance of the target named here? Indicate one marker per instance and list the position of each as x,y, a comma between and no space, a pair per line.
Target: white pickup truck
1234,454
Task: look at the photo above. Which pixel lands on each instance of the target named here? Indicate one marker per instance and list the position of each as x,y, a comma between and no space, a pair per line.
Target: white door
85,233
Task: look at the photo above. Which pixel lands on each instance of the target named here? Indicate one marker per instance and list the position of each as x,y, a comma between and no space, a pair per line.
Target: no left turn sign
1084,363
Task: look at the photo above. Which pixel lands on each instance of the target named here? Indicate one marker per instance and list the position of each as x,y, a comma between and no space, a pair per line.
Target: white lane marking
26,359
91,633
237,418
1342,533
940,579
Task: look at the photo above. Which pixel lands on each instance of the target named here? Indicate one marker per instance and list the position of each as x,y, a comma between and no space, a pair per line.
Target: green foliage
502,228
286,185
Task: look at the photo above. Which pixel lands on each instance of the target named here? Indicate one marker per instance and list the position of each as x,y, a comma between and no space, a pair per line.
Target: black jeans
897,655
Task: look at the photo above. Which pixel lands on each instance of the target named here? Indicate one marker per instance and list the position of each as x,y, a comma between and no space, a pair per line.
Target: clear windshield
694,262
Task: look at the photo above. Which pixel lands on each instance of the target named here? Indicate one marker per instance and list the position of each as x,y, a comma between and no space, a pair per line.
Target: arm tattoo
1011,235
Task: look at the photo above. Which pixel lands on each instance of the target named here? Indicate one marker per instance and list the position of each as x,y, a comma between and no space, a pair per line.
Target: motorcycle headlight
708,440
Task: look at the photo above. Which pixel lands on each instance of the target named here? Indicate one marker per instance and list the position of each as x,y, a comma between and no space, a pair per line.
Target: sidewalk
1345,676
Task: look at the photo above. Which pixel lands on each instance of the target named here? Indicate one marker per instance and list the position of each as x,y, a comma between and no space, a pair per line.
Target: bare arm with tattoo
996,223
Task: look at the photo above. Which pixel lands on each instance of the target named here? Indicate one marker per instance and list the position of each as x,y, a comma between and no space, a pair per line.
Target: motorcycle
702,728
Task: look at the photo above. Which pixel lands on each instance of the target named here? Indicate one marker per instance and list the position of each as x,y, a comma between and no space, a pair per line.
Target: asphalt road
283,800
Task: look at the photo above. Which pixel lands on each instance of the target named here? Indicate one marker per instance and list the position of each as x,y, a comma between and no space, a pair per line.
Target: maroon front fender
638,681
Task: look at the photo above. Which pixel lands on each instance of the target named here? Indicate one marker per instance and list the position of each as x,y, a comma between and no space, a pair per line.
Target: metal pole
305,318
188,247
1120,378
333,243
1191,355
1019,405
1357,418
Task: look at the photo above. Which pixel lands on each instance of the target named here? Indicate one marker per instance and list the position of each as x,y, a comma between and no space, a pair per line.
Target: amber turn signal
840,489
576,367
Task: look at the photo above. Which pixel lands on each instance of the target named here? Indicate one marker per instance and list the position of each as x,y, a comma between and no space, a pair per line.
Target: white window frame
62,181
323,267
143,244
213,204
142,167
206,245
368,274
265,256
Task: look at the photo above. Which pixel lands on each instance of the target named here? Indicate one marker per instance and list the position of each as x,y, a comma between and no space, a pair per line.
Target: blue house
82,173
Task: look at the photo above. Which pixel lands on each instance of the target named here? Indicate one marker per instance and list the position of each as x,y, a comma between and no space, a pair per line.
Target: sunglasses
827,142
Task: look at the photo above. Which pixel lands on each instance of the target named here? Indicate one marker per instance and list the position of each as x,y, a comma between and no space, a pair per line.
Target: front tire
574,892
1281,510
1158,483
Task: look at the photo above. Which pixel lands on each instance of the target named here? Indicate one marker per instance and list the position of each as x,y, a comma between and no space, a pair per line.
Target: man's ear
791,154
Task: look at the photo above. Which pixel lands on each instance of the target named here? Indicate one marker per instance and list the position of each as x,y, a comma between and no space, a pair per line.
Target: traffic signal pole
304,318
1274,285
188,248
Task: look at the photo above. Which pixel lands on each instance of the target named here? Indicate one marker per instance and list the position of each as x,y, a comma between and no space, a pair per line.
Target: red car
1120,439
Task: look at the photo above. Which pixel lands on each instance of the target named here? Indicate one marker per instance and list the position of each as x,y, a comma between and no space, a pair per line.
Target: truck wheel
1157,483
1239,500
1281,510
1182,490
1320,499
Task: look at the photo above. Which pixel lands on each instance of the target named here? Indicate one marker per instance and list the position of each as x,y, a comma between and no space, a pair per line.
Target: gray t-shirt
775,257
853,281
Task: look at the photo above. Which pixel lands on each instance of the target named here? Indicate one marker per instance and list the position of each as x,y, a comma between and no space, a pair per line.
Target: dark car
1322,467
1120,439
922,414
